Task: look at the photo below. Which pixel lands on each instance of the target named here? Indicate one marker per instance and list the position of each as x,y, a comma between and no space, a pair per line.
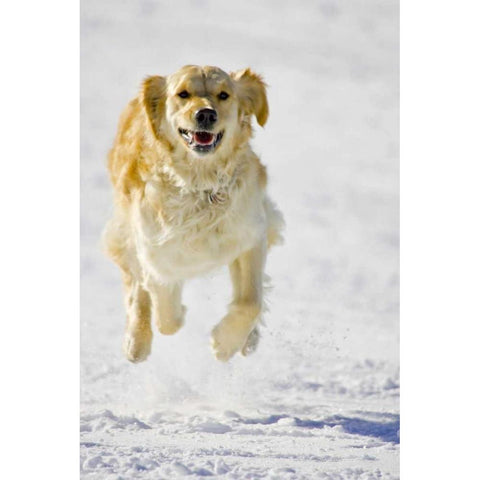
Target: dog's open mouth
201,141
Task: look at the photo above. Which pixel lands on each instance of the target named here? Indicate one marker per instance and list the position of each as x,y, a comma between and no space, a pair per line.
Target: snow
320,397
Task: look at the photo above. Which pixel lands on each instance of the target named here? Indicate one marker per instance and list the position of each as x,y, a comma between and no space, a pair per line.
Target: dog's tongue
203,138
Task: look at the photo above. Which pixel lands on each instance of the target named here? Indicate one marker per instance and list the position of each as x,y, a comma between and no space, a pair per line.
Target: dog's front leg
167,307
137,340
232,333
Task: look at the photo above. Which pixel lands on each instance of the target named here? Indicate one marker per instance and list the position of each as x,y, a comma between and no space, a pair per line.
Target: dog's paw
252,342
137,346
169,326
230,336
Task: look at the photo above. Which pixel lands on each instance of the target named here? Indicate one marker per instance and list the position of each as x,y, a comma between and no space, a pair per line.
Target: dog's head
205,109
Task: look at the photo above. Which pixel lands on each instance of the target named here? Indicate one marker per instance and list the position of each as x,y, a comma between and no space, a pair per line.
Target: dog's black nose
206,117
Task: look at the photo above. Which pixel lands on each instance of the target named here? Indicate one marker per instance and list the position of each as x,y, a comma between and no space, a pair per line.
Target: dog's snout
206,117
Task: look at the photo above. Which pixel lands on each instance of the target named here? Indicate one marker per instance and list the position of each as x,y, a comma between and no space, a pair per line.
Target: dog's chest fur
186,233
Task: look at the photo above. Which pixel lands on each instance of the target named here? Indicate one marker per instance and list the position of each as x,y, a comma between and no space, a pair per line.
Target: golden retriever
189,197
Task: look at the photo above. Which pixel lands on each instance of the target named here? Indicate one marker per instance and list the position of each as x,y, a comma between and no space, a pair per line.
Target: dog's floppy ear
153,95
252,94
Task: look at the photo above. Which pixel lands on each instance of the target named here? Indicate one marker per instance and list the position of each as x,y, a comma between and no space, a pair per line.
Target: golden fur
180,212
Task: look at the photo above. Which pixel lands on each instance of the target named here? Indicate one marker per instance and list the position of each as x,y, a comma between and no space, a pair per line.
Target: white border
440,241
40,239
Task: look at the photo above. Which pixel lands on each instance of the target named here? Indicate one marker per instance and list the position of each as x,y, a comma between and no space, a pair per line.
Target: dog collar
217,197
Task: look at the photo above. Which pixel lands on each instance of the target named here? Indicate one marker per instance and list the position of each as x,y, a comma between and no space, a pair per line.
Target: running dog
190,196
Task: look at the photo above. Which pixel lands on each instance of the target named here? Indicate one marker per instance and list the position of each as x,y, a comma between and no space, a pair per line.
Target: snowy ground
320,397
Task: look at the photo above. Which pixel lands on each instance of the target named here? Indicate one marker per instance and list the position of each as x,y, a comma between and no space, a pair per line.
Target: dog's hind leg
167,307
233,332
138,334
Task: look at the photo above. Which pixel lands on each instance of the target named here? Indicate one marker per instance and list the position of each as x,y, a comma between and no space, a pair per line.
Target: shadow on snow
385,431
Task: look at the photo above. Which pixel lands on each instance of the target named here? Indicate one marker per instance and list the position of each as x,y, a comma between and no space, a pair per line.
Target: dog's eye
183,94
223,95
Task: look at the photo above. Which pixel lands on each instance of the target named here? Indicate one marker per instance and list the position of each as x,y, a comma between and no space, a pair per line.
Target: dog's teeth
187,136
190,138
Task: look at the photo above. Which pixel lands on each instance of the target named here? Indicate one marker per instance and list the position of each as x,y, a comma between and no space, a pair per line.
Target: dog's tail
276,223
